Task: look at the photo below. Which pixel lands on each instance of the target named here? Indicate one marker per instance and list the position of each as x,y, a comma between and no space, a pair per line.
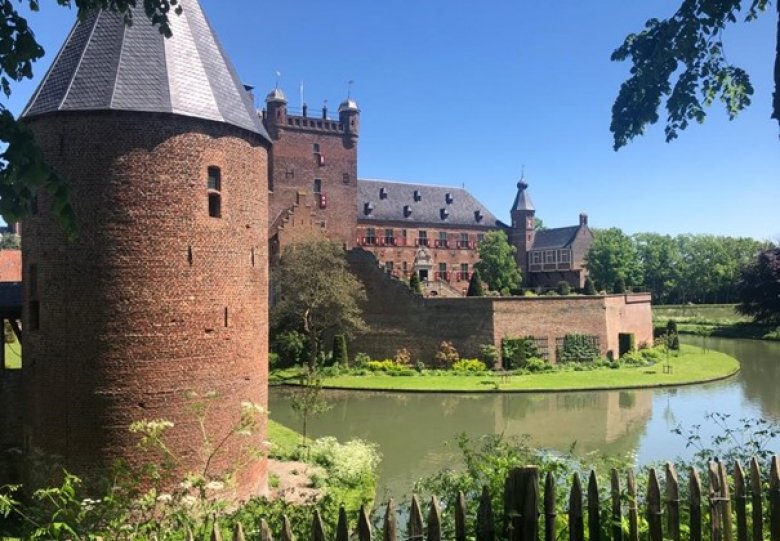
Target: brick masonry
155,300
399,318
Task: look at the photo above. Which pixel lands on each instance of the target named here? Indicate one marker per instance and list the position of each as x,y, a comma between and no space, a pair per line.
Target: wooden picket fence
724,514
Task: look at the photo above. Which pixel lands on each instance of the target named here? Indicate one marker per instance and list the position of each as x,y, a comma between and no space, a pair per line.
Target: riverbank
720,320
692,365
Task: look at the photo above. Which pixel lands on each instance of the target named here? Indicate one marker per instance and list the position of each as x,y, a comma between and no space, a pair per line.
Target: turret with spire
523,227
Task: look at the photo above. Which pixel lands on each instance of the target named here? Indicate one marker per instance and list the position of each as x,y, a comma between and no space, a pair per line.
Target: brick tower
313,172
162,297
523,229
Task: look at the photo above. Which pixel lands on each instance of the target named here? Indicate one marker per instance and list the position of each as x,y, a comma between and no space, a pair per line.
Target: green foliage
686,48
290,346
515,352
475,285
759,288
589,288
414,283
340,355
578,348
446,356
318,294
308,402
361,360
489,354
672,335
613,256
620,285
537,364
564,288
469,365
497,265
9,241
626,343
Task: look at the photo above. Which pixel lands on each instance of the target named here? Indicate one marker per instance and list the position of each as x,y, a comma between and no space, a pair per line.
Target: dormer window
368,208
478,216
383,193
407,211
448,198
444,214
417,196
214,185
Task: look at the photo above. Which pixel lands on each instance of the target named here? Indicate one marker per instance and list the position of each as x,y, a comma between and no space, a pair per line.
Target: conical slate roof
523,200
106,65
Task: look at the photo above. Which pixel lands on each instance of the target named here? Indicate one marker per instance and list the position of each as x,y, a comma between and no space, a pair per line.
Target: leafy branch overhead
23,170
681,60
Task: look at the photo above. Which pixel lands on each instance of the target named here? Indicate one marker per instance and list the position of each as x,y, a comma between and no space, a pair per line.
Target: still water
415,432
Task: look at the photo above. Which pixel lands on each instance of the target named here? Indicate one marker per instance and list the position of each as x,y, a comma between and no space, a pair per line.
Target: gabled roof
389,201
107,65
559,237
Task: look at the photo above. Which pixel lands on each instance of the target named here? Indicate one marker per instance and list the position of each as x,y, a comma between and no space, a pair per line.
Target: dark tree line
675,270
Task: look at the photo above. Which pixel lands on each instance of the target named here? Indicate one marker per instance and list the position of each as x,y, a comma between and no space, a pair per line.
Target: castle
432,231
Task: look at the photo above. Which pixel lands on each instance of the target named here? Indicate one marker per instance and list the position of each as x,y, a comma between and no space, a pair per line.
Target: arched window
215,192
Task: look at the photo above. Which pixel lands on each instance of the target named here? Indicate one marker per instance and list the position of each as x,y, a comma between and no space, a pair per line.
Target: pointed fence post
238,532
756,501
513,494
317,527
434,521
415,531
617,512
342,527
694,502
715,507
672,503
364,525
265,531
774,499
390,529
529,510
549,507
740,501
189,536
460,517
216,535
633,509
725,495
594,515
486,527
287,534
576,528
654,524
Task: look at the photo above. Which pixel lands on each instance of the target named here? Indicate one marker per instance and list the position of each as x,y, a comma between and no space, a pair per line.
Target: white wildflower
215,485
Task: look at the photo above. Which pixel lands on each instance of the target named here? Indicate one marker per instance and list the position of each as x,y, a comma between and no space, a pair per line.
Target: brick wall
10,424
399,318
155,300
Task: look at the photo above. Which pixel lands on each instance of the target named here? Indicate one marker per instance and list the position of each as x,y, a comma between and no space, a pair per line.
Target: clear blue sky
455,92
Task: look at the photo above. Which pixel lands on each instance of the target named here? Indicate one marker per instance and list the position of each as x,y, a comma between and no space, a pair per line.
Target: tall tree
660,259
759,288
497,265
318,294
680,60
612,257
23,170
475,285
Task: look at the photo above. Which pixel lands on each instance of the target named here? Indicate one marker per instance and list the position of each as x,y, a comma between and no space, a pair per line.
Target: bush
273,360
403,357
536,364
415,284
620,286
361,360
475,285
469,365
551,293
340,355
352,463
529,293
489,354
564,288
516,351
387,365
578,348
589,288
446,356
291,348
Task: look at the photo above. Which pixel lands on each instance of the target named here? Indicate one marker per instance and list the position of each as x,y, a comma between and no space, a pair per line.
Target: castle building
432,231
160,303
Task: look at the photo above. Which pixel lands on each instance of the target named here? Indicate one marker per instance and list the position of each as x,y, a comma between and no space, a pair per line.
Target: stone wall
398,318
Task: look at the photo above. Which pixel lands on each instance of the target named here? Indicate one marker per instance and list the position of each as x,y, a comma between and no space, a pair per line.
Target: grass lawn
691,366
283,440
13,360
713,320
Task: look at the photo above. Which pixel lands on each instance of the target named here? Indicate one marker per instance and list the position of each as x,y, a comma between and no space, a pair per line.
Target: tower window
214,186
345,178
317,185
316,148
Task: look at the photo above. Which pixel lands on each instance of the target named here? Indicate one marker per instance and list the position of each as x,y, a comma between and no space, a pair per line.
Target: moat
416,432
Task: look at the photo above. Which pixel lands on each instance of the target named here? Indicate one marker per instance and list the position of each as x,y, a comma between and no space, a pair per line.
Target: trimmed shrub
340,355
415,284
671,332
515,352
536,364
578,348
589,288
564,288
361,360
620,286
469,365
489,354
475,285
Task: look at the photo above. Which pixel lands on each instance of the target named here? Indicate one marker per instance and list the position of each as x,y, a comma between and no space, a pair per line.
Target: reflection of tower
163,294
669,416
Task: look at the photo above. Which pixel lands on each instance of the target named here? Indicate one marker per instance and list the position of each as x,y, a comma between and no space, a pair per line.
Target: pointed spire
523,199
107,65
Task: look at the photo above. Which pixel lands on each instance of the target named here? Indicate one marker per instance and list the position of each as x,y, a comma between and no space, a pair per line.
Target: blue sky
455,92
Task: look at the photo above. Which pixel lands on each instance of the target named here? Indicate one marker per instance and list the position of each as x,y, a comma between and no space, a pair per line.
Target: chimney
583,219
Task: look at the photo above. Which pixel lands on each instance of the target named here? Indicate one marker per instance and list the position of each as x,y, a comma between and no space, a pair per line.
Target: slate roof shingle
106,65
558,237
432,205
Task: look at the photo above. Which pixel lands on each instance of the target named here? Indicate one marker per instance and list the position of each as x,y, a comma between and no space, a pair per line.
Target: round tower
349,116
276,112
159,306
